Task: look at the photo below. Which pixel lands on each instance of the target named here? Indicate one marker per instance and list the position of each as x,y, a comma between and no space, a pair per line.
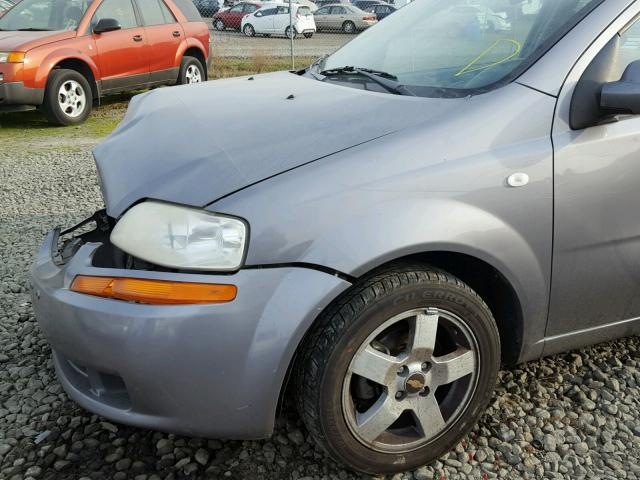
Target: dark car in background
232,18
381,10
207,8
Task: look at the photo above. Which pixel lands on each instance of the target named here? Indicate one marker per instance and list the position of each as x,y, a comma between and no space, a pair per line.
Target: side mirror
107,25
624,95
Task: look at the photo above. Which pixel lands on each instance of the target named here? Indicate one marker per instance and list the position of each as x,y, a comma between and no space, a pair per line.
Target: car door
164,36
234,16
337,17
596,266
321,17
281,19
122,54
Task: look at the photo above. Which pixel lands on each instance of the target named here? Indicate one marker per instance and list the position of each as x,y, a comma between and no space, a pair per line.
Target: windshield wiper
386,80
33,30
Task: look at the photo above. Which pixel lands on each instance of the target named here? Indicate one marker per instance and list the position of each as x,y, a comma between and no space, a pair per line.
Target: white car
273,19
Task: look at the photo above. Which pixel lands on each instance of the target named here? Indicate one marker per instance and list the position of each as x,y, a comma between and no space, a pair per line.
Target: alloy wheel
193,74
410,380
72,99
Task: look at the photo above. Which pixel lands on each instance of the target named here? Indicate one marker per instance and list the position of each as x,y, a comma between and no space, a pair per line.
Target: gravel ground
570,416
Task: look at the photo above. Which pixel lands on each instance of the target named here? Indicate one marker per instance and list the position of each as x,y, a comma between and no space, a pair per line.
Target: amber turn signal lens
154,292
16,57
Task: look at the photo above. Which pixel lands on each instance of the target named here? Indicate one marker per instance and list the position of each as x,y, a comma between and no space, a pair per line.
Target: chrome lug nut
426,366
400,395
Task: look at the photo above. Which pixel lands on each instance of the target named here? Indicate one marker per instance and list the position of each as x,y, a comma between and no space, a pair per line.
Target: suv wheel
68,99
191,71
248,30
398,370
219,24
290,33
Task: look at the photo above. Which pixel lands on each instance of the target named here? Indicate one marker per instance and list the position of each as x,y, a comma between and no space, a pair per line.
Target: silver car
455,203
343,17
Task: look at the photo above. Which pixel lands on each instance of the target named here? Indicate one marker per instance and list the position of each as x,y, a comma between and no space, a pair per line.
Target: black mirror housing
623,96
107,25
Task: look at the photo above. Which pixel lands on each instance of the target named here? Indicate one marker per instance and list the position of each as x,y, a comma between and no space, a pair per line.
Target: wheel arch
81,64
196,51
483,277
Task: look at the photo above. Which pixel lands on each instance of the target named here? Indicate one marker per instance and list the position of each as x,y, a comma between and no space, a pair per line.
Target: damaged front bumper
204,370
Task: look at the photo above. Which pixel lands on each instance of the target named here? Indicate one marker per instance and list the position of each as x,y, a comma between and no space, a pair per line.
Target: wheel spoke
374,365
424,333
428,416
454,366
372,423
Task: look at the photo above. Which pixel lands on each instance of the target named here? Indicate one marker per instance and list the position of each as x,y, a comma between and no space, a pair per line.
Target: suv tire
68,99
453,332
191,71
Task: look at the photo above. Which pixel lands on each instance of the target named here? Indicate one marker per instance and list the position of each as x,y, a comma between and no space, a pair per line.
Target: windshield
45,15
455,48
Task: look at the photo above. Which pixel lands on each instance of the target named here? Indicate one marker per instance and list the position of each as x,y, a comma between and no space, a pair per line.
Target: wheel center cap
415,383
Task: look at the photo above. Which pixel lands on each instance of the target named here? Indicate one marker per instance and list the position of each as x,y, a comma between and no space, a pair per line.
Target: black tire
349,27
218,24
188,68
346,324
51,107
249,31
308,34
287,32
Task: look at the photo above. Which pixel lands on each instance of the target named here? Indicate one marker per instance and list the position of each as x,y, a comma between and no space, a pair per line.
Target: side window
189,10
120,10
155,12
269,11
338,11
322,11
249,8
236,9
282,10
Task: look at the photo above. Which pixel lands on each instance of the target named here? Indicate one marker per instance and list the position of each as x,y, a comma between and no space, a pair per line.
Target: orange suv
62,56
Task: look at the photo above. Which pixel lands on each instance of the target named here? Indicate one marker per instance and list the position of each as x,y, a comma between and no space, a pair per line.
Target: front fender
54,58
419,191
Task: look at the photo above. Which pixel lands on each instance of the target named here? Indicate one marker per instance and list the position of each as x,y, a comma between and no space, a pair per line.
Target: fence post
291,34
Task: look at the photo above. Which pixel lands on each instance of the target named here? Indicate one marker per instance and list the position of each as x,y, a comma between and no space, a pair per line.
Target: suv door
122,54
596,266
164,37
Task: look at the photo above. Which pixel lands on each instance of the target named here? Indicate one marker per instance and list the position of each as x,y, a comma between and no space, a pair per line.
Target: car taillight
369,18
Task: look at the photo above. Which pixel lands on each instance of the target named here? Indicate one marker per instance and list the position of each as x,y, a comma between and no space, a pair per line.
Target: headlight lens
12,57
181,237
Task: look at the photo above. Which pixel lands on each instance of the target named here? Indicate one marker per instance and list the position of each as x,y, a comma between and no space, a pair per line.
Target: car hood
24,41
195,144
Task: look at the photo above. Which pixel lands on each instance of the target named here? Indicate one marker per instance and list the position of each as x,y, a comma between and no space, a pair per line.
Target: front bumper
16,94
203,370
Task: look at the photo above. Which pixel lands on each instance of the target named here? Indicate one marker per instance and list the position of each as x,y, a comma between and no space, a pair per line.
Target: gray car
343,17
452,200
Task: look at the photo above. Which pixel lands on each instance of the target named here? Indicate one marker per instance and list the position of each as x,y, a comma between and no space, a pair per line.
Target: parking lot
235,44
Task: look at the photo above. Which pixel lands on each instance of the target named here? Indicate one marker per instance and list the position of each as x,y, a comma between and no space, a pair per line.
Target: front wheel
249,31
191,71
399,370
68,99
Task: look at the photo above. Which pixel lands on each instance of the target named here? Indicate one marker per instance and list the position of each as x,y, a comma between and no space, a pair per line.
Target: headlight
12,57
181,237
